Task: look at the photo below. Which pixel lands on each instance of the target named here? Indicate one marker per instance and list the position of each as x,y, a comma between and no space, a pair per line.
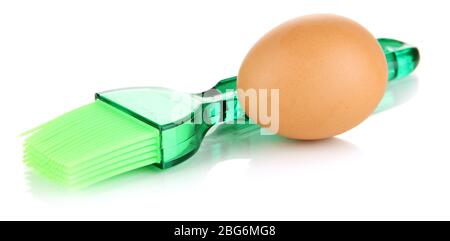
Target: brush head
126,129
90,144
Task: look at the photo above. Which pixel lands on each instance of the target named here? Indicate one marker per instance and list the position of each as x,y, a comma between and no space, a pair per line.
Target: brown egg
330,72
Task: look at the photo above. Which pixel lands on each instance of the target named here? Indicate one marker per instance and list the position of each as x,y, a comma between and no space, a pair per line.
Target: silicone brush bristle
90,144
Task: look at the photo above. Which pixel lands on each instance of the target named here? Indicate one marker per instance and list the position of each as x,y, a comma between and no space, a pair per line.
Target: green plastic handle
182,131
402,58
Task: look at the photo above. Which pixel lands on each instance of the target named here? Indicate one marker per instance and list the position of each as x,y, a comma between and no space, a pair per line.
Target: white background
54,55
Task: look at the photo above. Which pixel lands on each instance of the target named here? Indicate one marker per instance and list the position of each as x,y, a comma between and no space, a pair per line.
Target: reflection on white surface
238,148
230,147
398,92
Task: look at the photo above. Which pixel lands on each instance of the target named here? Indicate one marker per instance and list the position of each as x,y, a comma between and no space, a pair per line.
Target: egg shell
330,72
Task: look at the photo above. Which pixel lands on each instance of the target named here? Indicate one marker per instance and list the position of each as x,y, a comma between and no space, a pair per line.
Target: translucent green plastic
402,58
183,119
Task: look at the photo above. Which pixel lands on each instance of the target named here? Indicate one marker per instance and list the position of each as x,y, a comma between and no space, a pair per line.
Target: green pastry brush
127,129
